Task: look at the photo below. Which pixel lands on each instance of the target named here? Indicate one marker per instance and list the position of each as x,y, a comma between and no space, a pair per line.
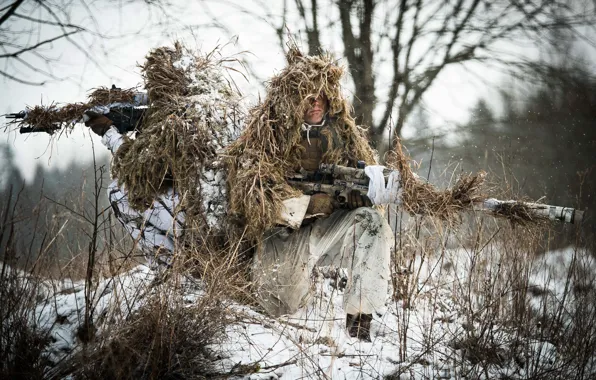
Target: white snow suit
155,230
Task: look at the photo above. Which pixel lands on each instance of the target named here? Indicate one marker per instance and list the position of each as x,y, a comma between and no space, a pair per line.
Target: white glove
380,193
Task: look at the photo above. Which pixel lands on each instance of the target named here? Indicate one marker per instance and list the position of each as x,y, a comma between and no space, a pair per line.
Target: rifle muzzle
18,115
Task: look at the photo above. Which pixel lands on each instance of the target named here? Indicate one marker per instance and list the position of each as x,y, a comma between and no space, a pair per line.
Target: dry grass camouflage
61,117
269,148
181,138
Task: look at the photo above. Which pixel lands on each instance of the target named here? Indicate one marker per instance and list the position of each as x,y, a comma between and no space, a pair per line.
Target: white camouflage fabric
155,230
359,240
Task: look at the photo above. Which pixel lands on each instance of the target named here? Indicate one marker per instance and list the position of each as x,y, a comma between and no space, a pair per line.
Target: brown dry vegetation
22,342
259,161
486,266
167,338
54,117
158,335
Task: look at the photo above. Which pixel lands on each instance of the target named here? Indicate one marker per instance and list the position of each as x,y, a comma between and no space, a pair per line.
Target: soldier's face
315,113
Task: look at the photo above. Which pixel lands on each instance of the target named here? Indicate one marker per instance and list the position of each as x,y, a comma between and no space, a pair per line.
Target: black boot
359,326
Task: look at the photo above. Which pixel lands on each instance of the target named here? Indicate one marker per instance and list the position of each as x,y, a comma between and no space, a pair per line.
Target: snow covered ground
426,336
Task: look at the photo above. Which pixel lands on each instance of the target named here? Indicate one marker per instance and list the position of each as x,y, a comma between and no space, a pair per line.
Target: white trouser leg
359,240
281,271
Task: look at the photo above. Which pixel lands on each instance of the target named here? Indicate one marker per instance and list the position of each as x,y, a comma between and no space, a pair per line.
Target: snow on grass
557,270
429,334
219,109
63,310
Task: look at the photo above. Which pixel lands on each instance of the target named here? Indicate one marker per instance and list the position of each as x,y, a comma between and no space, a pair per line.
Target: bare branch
315,24
33,47
46,22
280,31
28,28
10,11
23,81
312,33
395,51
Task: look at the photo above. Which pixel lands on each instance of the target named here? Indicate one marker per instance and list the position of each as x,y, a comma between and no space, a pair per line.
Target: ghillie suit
194,112
274,146
422,198
269,148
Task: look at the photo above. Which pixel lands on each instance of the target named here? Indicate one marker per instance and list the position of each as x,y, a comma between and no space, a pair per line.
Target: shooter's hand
356,200
320,204
98,123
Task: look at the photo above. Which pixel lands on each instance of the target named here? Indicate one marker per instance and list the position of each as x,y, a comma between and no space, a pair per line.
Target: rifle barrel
342,170
539,210
18,115
494,206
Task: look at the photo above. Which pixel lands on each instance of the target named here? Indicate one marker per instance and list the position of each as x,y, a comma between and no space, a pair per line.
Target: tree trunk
358,50
364,102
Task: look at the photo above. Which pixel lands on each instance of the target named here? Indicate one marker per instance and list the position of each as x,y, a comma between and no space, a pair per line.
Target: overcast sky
448,102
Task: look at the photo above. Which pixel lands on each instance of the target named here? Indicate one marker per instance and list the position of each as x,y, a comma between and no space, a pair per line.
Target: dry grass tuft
422,198
269,149
163,339
22,342
104,95
521,214
54,117
163,81
169,335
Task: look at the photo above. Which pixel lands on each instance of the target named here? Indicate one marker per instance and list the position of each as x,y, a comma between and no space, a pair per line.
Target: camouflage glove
320,203
98,123
356,199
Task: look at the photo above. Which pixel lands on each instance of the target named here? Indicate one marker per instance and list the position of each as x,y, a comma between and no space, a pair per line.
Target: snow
213,191
560,279
423,337
220,113
62,311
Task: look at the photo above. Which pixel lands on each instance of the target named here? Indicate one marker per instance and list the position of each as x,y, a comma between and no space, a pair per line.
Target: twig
430,163
289,362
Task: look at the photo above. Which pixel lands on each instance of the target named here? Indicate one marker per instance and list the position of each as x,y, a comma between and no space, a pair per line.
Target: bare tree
396,49
30,30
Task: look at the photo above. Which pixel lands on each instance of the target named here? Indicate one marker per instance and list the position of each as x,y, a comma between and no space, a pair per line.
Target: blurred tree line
541,147
51,216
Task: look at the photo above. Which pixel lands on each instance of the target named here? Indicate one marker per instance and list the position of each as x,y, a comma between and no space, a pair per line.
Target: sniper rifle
126,116
338,181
